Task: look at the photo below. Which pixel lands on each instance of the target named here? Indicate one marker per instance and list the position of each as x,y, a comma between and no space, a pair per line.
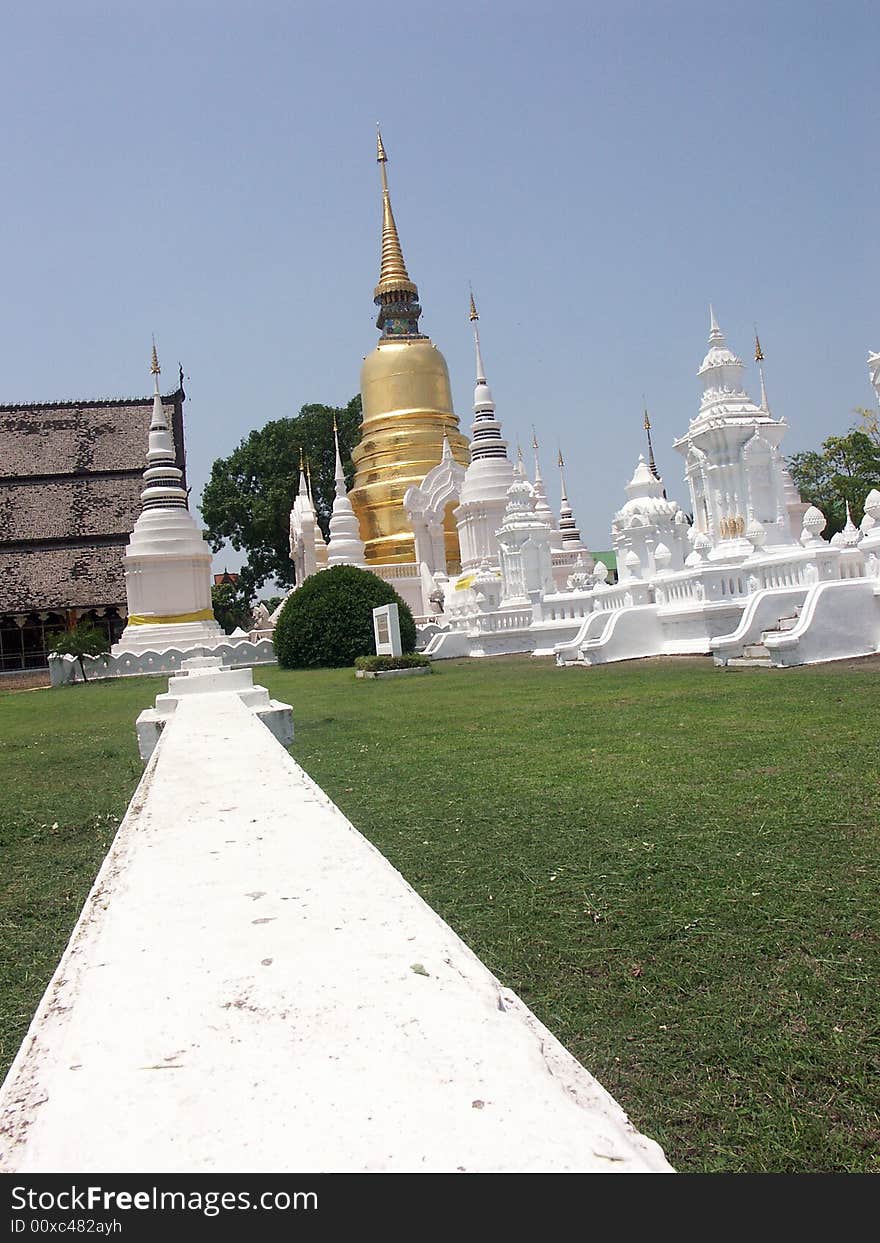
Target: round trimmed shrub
328,621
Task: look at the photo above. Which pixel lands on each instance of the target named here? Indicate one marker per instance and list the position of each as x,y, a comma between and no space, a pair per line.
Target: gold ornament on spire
300,458
647,420
559,462
759,353
535,445
155,369
393,276
473,314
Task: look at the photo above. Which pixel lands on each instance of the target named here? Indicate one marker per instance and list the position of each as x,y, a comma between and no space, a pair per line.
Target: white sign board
386,628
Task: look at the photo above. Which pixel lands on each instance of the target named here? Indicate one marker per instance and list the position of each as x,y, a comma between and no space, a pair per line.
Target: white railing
567,606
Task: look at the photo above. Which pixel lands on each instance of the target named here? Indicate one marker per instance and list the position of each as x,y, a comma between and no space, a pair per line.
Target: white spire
339,474
345,546
715,333
163,477
571,536
542,507
765,405
721,373
486,439
475,319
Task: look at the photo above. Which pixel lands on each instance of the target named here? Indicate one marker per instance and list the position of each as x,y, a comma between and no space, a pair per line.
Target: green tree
847,468
329,620
83,639
870,424
231,607
248,498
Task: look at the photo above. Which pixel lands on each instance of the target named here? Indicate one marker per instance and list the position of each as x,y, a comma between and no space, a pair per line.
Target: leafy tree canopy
248,498
231,606
329,619
846,469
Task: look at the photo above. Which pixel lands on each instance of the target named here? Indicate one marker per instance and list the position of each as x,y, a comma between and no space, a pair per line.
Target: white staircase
757,655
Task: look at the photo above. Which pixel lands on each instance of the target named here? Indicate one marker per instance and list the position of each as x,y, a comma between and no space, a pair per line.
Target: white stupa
568,529
167,563
306,539
524,538
346,546
483,497
542,505
320,542
649,532
740,492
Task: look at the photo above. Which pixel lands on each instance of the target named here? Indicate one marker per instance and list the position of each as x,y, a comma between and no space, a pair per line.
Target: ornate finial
155,369
559,461
652,465
393,276
535,444
473,315
301,458
335,428
759,359
519,456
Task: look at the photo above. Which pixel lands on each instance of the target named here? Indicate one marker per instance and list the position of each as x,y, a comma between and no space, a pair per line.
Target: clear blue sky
600,172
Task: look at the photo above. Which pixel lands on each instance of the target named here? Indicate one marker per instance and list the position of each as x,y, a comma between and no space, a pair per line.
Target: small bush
328,621
381,664
83,639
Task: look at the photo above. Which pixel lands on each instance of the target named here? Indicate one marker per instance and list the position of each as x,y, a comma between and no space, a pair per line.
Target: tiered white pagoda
483,496
345,546
649,532
308,550
167,563
740,490
524,540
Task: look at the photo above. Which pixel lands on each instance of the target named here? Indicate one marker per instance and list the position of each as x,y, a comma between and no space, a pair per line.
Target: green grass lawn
675,866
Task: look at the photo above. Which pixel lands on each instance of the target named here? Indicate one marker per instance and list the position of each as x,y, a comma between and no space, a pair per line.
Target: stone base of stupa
162,650
181,636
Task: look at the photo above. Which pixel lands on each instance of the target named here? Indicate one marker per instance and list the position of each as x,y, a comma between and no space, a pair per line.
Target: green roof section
608,558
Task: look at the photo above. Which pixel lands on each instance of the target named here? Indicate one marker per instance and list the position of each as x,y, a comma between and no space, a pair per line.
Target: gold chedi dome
407,410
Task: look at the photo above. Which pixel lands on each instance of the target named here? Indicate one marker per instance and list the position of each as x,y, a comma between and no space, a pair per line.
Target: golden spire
154,365
759,353
474,314
393,276
535,445
560,463
300,458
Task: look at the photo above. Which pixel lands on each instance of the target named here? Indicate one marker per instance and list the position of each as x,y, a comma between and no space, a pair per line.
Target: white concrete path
252,987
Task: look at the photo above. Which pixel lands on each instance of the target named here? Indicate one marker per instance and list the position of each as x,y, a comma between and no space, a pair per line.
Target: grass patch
68,766
675,866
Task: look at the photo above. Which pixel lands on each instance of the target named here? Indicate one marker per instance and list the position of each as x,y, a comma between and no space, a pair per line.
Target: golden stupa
407,411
